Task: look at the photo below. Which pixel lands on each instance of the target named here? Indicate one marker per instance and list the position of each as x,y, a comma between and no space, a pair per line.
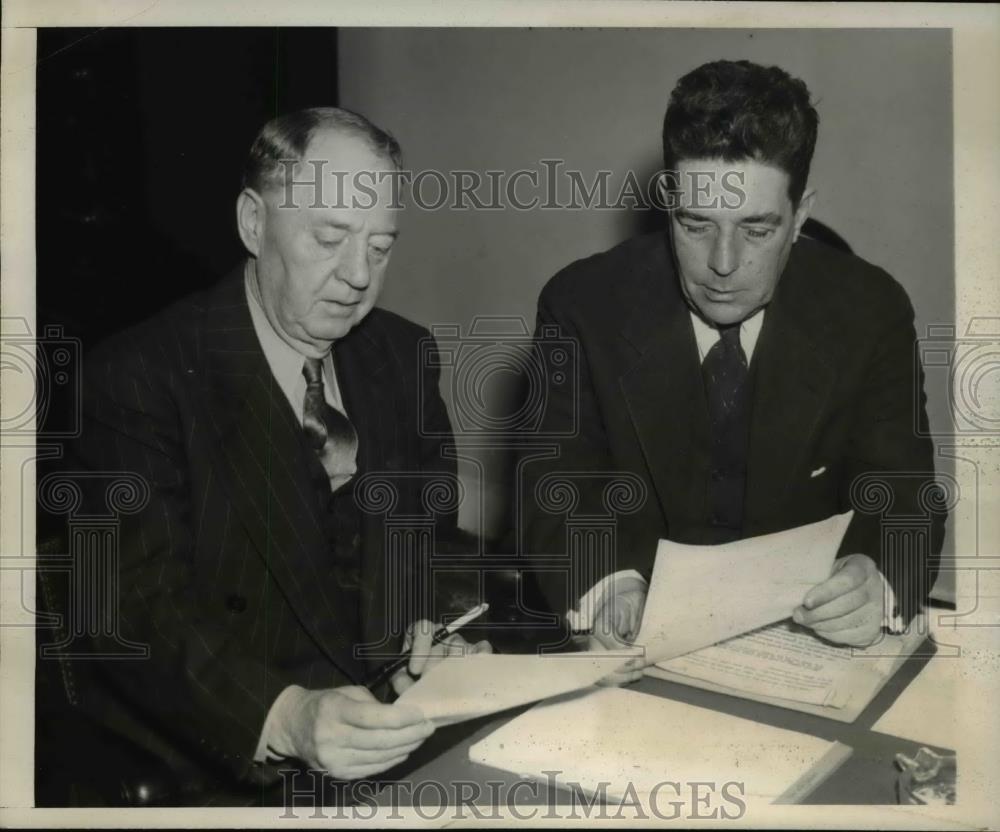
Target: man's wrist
276,740
581,619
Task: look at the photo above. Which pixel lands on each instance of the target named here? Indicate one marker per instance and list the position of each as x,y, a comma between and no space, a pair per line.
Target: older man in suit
257,411
747,376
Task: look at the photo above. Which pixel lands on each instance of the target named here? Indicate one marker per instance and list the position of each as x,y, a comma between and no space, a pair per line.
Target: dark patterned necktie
328,431
725,372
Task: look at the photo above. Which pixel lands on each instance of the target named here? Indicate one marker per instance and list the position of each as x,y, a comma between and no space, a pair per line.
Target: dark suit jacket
225,573
837,390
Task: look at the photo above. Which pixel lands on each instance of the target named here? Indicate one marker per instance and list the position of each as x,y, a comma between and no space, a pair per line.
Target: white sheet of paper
611,739
786,662
466,687
928,709
701,595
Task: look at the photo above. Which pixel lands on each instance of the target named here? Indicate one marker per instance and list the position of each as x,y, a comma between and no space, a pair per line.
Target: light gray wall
508,98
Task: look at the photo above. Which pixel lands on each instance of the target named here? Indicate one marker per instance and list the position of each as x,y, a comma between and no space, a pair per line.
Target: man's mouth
720,294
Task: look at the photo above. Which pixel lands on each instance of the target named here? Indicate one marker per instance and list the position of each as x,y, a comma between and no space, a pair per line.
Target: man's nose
724,256
353,269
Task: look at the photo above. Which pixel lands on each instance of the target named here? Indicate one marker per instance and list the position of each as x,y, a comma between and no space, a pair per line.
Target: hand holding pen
425,646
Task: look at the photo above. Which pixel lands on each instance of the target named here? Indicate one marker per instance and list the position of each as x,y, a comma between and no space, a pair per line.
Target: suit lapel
373,403
793,377
665,394
261,460
792,371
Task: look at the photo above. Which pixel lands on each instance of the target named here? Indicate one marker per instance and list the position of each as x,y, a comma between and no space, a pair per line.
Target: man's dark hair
286,138
738,110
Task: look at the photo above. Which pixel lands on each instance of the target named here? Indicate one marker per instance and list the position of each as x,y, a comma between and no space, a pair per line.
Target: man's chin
723,314
331,329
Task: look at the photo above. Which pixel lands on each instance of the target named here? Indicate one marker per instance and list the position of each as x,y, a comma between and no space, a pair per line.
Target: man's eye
694,229
759,233
329,242
378,251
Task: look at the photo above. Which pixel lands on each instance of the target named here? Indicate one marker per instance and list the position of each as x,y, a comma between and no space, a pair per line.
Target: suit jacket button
236,603
356,540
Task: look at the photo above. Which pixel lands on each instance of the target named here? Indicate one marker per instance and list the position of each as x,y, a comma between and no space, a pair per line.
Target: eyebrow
343,226
685,214
769,218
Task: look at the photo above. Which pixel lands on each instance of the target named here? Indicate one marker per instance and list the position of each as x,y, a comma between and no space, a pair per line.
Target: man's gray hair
285,138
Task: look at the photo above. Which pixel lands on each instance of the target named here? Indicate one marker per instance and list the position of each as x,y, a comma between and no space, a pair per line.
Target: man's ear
802,212
250,213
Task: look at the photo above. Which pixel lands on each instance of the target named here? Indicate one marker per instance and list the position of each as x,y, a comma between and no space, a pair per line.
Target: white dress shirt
285,362
706,336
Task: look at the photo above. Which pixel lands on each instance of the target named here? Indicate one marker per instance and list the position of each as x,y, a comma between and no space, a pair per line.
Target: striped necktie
329,432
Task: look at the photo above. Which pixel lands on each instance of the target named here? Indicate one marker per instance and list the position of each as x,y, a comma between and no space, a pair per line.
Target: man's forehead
373,220
341,181
749,187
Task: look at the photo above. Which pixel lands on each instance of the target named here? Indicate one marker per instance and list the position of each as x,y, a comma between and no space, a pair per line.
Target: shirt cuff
274,744
582,618
891,620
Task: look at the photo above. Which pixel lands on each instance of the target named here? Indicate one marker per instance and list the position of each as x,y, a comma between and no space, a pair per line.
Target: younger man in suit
751,378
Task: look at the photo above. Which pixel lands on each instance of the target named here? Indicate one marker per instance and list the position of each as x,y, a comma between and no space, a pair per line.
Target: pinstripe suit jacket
223,573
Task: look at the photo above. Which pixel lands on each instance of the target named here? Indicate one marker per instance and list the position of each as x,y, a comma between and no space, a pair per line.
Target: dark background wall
142,135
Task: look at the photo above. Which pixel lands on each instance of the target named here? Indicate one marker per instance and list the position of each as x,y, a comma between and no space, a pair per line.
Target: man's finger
604,640
357,693
386,740
837,608
857,618
455,645
620,677
854,637
422,633
401,681
377,715
840,583
424,650
360,772
623,621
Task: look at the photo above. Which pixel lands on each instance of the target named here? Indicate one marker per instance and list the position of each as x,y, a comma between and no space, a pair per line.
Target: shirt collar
706,335
284,361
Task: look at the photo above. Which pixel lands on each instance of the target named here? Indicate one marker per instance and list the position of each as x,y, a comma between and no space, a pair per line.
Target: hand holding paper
701,595
427,644
848,607
477,684
616,624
